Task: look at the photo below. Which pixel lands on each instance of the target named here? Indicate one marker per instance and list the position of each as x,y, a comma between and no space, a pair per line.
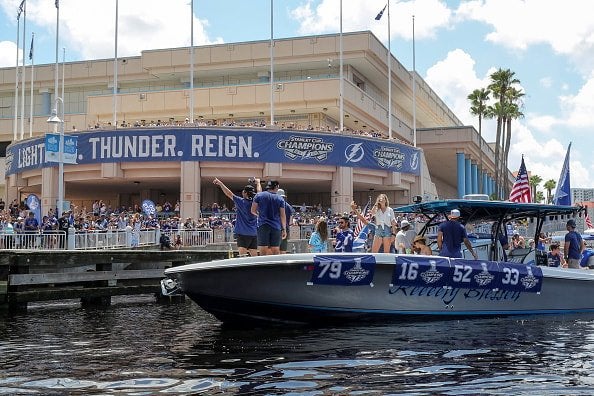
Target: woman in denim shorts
384,221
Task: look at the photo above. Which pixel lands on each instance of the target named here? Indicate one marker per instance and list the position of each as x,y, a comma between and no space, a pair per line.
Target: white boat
314,288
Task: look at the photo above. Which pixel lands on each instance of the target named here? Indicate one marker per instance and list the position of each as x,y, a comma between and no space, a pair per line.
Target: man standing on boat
245,224
272,221
574,245
450,236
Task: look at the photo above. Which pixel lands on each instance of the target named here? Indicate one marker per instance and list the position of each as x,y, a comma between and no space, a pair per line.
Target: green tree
478,107
534,181
539,197
501,83
550,186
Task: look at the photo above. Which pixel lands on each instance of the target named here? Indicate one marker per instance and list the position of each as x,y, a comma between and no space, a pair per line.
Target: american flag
365,213
521,189
588,221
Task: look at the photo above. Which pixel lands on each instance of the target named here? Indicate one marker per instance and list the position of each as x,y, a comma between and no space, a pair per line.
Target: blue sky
547,43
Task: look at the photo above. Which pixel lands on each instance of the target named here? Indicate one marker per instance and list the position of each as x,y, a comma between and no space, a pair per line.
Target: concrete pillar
475,184
341,193
468,176
461,171
49,189
190,189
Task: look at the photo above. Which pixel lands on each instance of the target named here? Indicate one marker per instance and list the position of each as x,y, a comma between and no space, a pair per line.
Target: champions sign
219,144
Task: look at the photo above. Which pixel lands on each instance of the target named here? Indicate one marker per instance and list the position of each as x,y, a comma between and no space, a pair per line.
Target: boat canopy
475,210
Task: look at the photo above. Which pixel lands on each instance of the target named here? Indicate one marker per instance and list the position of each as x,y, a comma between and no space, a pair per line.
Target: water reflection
138,347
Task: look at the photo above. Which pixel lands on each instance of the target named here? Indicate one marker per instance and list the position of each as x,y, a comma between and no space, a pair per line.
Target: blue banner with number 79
343,270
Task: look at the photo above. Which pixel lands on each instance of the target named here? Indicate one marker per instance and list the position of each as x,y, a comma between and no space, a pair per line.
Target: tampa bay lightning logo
432,275
354,152
529,281
414,161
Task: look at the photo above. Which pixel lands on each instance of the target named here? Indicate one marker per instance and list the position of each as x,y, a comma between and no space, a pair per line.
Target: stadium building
158,139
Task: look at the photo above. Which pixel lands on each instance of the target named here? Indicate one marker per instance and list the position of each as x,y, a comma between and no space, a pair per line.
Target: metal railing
101,239
51,240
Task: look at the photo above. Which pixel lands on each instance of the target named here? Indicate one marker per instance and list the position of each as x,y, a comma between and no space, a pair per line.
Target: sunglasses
341,222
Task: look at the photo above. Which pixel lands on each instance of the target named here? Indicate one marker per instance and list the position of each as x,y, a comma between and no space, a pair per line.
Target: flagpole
16,78
341,86
389,76
63,81
115,69
31,54
56,67
23,74
192,61
414,90
272,63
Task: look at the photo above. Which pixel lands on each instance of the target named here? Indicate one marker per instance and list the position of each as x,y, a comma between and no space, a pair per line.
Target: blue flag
31,50
361,239
563,192
381,13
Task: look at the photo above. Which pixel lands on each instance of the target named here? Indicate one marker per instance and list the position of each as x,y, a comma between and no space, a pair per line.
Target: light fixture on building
261,113
325,109
230,114
292,111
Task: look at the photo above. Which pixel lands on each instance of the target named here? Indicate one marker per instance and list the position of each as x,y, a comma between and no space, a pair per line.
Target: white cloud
580,107
360,15
546,82
7,53
88,27
566,26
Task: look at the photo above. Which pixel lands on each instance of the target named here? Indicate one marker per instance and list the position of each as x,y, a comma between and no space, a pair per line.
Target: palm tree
501,82
539,197
478,107
512,112
534,181
550,186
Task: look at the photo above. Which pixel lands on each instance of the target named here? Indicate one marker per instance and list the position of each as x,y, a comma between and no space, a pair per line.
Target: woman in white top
384,221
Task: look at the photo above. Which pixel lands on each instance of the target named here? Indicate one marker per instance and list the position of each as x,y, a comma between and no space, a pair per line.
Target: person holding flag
363,227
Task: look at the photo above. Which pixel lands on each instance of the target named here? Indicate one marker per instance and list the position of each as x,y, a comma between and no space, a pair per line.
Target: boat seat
517,255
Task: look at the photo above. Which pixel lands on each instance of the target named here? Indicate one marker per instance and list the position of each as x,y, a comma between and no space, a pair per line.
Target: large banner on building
218,144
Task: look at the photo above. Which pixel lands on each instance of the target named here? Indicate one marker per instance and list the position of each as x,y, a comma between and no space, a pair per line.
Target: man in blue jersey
574,245
245,228
450,236
272,221
344,236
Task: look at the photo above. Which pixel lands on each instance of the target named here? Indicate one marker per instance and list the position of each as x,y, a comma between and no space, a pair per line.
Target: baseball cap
455,213
249,189
404,223
571,223
272,184
281,192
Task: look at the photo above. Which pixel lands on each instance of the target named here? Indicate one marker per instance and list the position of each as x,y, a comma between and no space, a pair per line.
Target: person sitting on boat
518,241
554,257
318,241
344,236
450,236
405,238
419,246
574,245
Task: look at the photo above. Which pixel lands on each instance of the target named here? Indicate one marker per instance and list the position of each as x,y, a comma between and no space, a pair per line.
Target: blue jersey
344,241
269,205
554,260
454,234
575,245
246,222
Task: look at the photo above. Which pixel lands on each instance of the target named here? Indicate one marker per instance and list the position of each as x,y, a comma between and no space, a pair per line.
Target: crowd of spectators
253,123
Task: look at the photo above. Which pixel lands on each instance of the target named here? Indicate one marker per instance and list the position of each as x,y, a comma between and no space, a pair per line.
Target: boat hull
289,288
